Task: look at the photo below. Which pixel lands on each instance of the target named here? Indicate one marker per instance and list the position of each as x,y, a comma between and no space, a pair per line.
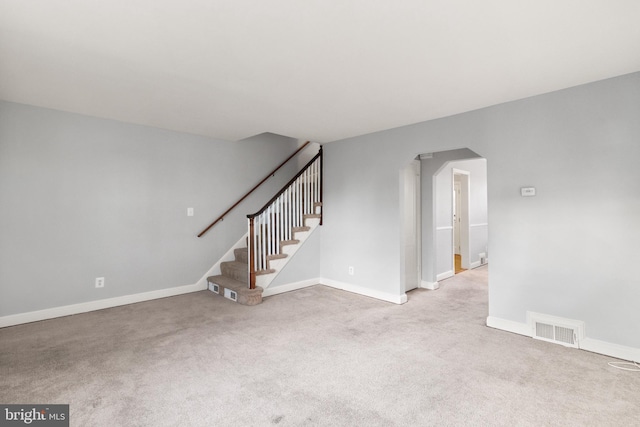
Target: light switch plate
528,191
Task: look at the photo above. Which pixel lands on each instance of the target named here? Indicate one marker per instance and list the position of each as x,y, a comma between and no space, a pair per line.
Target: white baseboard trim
228,256
474,264
68,310
609,349
430,285
290,287
509,326
445,275
587,344
384,296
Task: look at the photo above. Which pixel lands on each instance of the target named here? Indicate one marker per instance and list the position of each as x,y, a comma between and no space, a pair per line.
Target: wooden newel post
252,265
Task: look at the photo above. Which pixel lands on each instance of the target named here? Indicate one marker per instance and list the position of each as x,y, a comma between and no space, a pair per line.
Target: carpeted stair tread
296,229
236,265
312,216
227,282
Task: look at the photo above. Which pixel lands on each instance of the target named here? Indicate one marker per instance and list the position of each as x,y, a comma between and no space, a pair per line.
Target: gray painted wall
83,197
566,252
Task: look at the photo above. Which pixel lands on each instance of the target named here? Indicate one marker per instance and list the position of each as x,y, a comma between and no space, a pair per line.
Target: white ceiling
310,69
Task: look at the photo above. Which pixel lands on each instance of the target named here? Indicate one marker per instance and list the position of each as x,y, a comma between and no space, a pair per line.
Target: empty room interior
248,213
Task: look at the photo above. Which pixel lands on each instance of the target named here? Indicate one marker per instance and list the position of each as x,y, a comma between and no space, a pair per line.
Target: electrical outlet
99,282
351,271
189,211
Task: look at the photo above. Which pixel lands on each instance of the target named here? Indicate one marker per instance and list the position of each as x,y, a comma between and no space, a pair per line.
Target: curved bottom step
235,290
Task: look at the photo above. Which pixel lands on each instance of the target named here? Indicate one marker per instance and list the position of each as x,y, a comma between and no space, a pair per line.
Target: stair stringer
228,256
264,280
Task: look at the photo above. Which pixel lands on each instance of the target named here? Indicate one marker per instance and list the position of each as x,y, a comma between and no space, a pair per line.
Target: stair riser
312,222
289,250
301,235
242,255
239,275
278,264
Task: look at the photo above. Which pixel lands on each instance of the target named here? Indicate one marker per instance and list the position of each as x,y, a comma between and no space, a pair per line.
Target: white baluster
276,236
294,205
308,187
315,185
256,232
304,193
282,219
270,232
263,236
285,215
258,241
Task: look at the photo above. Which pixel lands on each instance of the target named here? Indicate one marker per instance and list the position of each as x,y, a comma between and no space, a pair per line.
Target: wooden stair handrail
272,173
282,190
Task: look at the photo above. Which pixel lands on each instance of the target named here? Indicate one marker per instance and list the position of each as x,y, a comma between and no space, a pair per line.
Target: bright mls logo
34,415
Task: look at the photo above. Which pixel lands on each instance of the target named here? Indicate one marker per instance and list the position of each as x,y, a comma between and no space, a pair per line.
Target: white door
461,195
456,215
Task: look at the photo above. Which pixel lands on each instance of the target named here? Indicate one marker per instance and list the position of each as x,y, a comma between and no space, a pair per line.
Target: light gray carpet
317,356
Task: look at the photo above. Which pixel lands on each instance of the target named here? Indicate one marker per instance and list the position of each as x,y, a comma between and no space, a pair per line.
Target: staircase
275,233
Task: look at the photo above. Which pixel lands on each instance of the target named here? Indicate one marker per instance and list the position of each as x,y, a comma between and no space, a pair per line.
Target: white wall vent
215,288
554,329
232,295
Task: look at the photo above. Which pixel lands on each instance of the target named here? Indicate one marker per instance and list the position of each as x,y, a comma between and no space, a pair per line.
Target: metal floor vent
556,333
232,295
216,288
557,330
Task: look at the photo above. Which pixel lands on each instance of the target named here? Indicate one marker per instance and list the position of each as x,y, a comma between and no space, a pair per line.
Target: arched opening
452,216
